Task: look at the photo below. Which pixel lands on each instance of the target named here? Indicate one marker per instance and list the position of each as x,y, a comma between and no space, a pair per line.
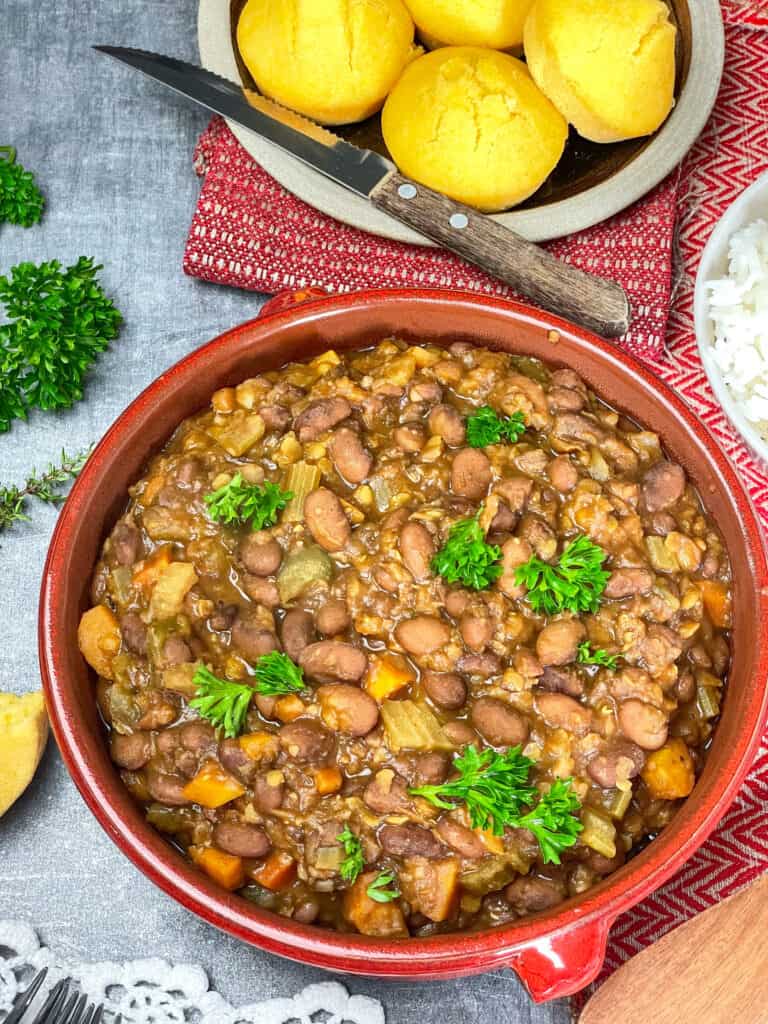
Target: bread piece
497,24
23,734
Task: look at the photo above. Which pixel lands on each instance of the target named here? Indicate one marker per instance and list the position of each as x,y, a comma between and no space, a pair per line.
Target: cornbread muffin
497,24
471,123
608,67
23,735
332,60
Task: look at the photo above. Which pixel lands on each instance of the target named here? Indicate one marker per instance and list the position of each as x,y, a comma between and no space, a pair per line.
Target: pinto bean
176,651
261,591
498,723
534,462
306,912
618,760
563,712
504,519
159,713
416,548
643,724
514,552
476,631
662,485
659,648
387,793
234,759
460,733
628,583
197,736
241,840
333,617
297,631
539,535
348,709
446,689
222,617
461,839
353,462
471,473
411,437
485,665
306,740
527,664
456,602
410,841
426,391
423,634
445,422
685,687
566,378
529,894
330,661
320,416
268,793
133,632
661,523
251,639
574,430
428,769
562,680
126,543
260,554
565,400
602,865
515,491
131,752
276,417
557,643
325,519
563,474
166,789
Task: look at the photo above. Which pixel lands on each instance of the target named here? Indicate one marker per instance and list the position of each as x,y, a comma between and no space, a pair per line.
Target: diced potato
717,602
213,787
170,590
179,678
152,567
599,832
325,362
240,432
669,772
301,568
260,746
412,726
222,867
23,735
387,676
328,780
301,479
277,872
289,707
98,637
431,886
662,559
383,920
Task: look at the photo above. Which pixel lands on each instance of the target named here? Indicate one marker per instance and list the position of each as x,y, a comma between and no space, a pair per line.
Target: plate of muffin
549,115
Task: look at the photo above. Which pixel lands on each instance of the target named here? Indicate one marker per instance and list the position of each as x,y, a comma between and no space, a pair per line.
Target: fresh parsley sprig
486,427
353,862
553,820
241,502
43,486
574,584
224,703
598,656
467,558
60,320
277,675
378,889
21,201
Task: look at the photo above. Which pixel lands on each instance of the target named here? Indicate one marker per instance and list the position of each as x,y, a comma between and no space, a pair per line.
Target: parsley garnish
486,427
353,862
378,890
44,486
239,502
467,558
495,788
224,703
574,584
276,674
598,656
61,320
21,201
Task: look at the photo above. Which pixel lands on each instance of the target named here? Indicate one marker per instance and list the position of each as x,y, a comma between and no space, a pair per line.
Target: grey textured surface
112,153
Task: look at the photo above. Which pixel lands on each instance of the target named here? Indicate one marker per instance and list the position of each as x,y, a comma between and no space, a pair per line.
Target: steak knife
601,306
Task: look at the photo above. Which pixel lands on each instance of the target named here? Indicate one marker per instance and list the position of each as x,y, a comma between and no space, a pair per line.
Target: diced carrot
212,786
259,746
669,772
387,676
328,780
152,567
98,637
431,886
290,707
277,871
384,920
492,843
717,602
222,867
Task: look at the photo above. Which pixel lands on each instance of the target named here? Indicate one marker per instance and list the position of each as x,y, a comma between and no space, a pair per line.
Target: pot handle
560,965
291,297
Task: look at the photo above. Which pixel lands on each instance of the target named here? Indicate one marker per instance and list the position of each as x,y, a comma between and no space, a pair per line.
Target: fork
63,1006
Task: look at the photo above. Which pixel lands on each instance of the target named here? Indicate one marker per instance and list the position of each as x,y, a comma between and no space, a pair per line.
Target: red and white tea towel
249,232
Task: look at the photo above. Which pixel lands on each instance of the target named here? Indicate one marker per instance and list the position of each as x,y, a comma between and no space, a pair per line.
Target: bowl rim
660,157
715,255
454,953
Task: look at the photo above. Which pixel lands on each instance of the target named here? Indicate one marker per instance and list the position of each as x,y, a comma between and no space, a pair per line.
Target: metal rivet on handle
459,220
407,191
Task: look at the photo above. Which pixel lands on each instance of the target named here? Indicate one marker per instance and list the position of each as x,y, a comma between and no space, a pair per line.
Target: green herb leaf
43,486
552,820
574,584
486,427
467,558
378,890
240,502
224,703
353,862
493,786
598,656
61,320
21,201
276,675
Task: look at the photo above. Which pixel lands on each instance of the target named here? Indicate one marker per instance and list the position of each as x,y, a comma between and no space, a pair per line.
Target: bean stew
410,640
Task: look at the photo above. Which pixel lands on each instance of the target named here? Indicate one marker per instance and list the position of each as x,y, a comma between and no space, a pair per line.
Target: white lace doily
157,992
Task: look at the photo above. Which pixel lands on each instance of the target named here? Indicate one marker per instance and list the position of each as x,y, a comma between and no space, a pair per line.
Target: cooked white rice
738,305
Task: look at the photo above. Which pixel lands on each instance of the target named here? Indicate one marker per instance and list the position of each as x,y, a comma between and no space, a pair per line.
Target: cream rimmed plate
594,182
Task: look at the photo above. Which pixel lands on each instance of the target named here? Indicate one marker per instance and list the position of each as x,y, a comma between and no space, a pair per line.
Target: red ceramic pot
555,953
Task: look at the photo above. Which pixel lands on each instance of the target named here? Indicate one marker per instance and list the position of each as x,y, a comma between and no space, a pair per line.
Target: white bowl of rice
731,314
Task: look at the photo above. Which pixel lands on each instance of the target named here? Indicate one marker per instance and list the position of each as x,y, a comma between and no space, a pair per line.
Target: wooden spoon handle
600,305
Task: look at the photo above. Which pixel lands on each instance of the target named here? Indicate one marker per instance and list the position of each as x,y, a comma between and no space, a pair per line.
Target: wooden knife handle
599,305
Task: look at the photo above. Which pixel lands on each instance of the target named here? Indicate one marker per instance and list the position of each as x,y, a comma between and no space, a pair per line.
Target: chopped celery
412,726
599,833
494,873
308,565
620,801
239,432
708,701
301,479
